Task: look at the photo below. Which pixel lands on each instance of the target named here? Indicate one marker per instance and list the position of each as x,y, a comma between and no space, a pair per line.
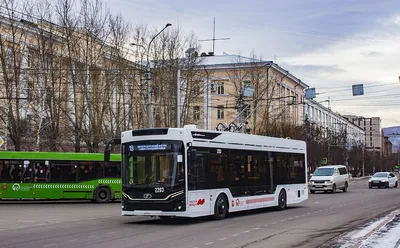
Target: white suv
329,178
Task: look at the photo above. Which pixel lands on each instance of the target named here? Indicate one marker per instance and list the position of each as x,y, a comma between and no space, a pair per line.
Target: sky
328,44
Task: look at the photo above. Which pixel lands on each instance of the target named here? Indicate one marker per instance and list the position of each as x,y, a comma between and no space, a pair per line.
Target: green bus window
112,169
63,171
5,171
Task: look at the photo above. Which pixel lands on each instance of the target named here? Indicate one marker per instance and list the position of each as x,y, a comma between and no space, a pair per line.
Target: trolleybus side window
238,173
218,171
196,172
256,184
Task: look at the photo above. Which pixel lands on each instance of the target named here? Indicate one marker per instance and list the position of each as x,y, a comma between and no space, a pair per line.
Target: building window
196,113
220,89
220,112
246,84
196,89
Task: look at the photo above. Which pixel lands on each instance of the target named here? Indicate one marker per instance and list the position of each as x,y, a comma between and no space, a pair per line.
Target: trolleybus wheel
282,200
221,207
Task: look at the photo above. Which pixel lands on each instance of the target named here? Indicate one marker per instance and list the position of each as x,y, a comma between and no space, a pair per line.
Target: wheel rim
334,188
282,200
102,195
221,207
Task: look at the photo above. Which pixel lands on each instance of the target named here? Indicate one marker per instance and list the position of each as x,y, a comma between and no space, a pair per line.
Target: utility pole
207,96
363,161
178,100
240,106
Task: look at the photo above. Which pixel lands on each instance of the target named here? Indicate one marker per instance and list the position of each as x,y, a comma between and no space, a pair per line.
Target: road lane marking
49,245
247,231
257,228
109,233
222,239
274,223
72,240
20,227
94,236
234,235
209,243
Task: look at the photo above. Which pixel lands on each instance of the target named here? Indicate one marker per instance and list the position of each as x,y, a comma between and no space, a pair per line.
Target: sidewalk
381,233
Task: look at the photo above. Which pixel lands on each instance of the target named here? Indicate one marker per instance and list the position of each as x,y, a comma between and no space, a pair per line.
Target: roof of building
230,59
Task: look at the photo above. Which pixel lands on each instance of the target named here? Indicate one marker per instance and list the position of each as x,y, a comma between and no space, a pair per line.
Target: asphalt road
309,224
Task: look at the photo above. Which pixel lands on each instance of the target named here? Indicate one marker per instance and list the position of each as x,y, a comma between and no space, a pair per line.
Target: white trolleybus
189,172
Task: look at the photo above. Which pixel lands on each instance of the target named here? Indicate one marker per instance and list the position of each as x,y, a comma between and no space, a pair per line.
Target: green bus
59,175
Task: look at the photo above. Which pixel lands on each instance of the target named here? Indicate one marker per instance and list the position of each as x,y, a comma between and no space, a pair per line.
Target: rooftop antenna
214,39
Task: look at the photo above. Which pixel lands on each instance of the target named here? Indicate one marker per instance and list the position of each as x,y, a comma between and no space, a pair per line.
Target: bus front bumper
153,213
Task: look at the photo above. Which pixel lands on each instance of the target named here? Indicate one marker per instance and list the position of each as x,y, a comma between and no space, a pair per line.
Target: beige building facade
243,90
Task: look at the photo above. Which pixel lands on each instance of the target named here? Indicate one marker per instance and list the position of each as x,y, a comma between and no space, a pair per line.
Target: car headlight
383,180
370,180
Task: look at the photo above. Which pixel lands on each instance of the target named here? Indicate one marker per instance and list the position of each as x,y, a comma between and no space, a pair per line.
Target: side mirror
107,154
310,174
107,150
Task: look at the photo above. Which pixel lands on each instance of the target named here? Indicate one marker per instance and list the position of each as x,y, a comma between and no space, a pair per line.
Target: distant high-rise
372,128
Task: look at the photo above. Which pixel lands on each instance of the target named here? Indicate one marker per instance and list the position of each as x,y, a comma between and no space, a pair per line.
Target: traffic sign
324,161
1,141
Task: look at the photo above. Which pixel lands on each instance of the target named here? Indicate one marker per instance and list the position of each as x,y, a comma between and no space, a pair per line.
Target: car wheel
333,188
395,185
387,185
312,191
345,187
370,187
221,207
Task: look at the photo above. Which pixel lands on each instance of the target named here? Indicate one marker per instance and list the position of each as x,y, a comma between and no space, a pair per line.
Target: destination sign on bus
148,147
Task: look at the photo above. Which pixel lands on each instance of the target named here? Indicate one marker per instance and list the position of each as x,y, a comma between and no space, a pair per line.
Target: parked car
329,178
383,179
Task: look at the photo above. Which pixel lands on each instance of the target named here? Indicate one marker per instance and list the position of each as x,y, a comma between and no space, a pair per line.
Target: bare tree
169,55
13,40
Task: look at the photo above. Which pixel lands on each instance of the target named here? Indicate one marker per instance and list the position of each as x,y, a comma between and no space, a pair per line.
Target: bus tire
221,207
102,195
282,200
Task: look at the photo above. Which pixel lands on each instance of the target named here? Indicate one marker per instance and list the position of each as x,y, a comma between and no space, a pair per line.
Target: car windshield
380,174
324,172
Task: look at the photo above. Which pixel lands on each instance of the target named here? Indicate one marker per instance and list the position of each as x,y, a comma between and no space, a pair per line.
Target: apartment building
372,128
263,92
331,124
62,87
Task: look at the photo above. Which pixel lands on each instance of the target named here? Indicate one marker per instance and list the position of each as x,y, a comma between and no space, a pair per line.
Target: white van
329,178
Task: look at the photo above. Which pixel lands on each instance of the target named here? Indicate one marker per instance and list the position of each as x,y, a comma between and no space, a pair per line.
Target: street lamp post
148,76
